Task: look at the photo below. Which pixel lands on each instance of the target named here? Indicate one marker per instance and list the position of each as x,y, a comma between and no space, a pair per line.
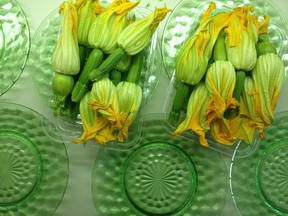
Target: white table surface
78,198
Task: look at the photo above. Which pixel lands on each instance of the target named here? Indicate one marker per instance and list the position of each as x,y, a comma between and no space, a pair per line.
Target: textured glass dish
14,43
185,19
33,167
160,176
259,183
39,66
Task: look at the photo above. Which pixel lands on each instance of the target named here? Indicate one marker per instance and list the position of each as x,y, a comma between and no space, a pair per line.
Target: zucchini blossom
66,58
94,125
220,82
250,106
269,76
196,114
130,98
108,25
242,36
136,36
104,118
87,12
105,99
193,57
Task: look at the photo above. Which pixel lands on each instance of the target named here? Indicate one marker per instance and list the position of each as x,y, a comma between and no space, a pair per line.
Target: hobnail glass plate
160,176
259,183
39,65
14,43
33,167
186,16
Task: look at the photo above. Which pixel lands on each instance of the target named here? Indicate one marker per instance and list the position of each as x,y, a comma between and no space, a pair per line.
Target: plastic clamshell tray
39,65
184,20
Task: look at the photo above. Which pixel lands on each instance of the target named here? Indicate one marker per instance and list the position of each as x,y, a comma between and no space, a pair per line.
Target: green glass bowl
39,66
14,43
33,167
162,175
259,183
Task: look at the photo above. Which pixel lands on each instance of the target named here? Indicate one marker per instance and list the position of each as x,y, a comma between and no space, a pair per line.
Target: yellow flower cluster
236,86
107,111
111,39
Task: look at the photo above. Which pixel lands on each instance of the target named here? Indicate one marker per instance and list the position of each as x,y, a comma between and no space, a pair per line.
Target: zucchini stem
136,68
81,87
182,91
107,65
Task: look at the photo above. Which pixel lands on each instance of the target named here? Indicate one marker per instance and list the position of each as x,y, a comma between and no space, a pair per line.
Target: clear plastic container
182,23
39,66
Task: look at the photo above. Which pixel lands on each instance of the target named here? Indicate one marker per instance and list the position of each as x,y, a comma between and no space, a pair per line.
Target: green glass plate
162,175
14,43
33,167
186,17
259,183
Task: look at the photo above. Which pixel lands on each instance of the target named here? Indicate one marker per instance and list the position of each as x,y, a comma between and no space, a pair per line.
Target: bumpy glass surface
263,176
186,16
33,166
20,167
158,178
14,43
162,175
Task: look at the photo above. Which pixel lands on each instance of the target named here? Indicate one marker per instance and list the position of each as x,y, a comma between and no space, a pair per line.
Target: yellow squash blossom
108,25
66,54
269,77
242,35
250,106
105,99
248,126
220,82
193,57
92,122
87,12
195,119
130,98
105,135
136,36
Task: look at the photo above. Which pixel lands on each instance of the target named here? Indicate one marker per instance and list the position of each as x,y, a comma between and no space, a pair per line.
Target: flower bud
136,36
105,99
269,77
108,25
220,82
92,122
130,98
87,12
195,119
66,58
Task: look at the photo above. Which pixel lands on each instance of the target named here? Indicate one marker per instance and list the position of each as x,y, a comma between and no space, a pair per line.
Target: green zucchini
81,87
182,92
62,85
219,50
135,68
107,65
